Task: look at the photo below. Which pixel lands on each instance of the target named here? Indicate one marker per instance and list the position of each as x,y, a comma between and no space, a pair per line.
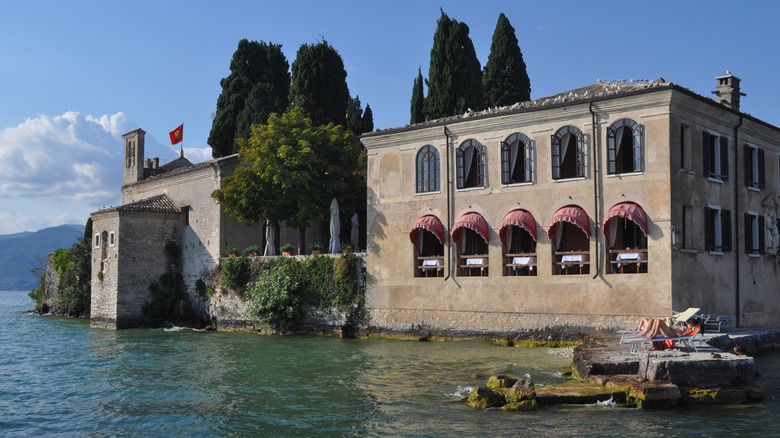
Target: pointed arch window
625,147
428,169
517,159
471,164
568,153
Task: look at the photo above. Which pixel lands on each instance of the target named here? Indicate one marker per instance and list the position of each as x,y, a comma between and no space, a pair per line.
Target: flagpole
181,143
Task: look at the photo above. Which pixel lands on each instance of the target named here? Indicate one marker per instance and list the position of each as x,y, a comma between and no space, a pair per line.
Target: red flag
177,135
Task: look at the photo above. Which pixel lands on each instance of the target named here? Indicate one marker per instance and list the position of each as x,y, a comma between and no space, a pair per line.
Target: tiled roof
185,169
597,90
155,204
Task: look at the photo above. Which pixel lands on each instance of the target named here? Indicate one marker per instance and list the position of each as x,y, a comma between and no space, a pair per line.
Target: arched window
568,153
103,245
625,147
427,236
569,233
625,230
471,165
516,159
471,237
427,169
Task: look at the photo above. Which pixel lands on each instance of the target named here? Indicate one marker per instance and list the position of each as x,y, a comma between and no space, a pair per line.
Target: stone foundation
520,326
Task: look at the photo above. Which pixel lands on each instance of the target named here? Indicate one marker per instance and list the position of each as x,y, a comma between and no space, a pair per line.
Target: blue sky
77,75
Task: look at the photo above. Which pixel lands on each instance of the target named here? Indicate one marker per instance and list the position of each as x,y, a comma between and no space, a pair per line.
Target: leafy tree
74,267
418,99
319,84
293,171
359,121
257,86
455,76
368,119
505,78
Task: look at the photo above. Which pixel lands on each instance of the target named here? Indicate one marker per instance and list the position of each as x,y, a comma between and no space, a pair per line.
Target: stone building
163,204
576,212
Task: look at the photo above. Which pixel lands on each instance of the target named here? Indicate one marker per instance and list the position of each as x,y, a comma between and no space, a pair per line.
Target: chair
687,341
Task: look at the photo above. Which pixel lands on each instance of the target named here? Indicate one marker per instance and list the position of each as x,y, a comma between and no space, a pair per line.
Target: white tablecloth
431,264
523,261
627,256
474,261
573,258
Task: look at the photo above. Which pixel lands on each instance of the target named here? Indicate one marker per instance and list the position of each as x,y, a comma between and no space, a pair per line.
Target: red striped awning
520,218
630,211
429,223
572,214
473,221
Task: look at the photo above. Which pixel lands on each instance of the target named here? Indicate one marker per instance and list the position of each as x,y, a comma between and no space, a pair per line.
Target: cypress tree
258,73
455,75
368,119
418,99
505,80
319,84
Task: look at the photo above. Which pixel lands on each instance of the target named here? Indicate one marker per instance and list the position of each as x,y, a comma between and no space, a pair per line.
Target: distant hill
18,252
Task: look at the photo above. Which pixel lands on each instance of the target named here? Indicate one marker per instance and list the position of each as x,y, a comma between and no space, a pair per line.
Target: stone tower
134,156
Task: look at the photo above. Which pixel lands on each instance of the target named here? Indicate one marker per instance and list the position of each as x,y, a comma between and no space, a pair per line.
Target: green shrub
234,273
277,297
167,296
201,288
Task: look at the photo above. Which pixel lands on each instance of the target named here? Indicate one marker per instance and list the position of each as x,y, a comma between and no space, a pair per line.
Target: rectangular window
754,167
97,240
754,238
111,239
185,215
715,149
685,148
717,229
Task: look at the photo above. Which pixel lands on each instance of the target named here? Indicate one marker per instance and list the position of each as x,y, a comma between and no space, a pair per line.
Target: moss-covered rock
500,381
655,394
714,395
485,398
525,405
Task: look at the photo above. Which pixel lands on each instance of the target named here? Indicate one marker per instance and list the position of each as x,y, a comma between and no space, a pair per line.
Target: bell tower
133,161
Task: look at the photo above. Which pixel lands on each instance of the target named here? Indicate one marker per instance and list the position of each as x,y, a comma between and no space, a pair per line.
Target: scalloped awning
473,221
628,210
521,218
429,223
572,214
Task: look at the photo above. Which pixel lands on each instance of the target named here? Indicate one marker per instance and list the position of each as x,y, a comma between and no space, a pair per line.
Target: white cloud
197,155
59,169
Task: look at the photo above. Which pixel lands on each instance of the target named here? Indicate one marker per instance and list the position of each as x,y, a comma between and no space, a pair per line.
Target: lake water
59,377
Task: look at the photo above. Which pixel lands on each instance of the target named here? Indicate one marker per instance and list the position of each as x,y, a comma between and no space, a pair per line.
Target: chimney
148,163
727,90
155,162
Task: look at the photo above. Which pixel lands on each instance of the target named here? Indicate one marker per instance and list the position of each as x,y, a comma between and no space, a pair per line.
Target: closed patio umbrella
334,247
270,249
354,235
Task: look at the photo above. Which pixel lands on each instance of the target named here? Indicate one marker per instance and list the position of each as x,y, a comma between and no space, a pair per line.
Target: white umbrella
334,246
354,235
269,239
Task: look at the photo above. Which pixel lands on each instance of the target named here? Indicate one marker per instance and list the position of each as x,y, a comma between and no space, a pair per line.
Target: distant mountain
18,252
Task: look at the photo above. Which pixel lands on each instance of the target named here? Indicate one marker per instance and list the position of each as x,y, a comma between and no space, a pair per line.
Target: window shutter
639,148
709,230
705,148
724,158
505,162
528,160
459,166
481,168
747,165
761,177
580,154
555,149
611,151
748,233
761,234
725,223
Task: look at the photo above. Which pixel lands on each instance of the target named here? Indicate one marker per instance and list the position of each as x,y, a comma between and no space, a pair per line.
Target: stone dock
714,373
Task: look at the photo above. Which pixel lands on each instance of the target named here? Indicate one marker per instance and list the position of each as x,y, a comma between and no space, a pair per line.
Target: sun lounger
714,323
636,343
627,334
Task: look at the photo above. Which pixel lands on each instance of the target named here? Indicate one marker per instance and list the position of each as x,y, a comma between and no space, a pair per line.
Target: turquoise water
58,377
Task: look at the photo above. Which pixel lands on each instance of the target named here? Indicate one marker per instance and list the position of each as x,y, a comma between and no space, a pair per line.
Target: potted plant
287,249
232,251
347,248
316,248
252,251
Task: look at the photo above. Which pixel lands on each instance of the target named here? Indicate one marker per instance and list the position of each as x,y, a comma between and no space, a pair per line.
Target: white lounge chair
636,343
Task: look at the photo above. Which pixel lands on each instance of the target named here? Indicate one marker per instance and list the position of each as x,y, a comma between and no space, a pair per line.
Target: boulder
525,405
655,394
485,398
500,381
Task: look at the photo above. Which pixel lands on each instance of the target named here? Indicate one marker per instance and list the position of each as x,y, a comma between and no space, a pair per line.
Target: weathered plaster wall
396,298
